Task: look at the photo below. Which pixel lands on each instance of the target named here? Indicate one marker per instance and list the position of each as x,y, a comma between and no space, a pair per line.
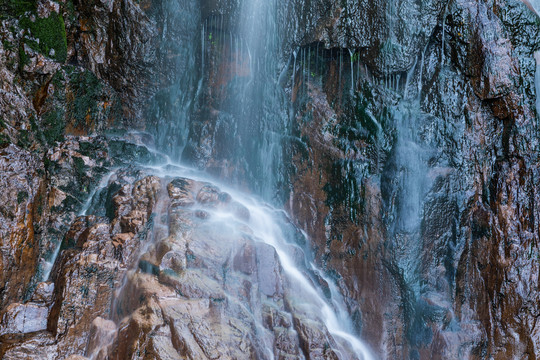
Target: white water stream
268,228
537,82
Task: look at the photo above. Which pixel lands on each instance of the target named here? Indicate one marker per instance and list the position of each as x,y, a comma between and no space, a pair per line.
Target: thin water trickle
47,264
351,54
443,42
203,41
537,83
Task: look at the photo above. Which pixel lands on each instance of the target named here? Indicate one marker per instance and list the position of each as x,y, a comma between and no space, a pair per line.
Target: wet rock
76,357
134,205
46,7
21,189
182,191
39,64
40,346
102,333
23,319
43,293
174,261
209,196
193,285
239,210
268,270
313,340
489,60
106,42
245,259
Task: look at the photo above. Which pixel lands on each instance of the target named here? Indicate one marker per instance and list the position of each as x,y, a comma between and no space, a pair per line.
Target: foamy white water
265,224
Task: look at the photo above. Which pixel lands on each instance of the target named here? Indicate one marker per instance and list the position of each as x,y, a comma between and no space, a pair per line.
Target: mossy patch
4,140
51,33
22,196
54,126
16,7
24,139
77,103
87,90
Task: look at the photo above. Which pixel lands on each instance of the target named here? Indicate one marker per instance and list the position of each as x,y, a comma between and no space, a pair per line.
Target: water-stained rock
21,187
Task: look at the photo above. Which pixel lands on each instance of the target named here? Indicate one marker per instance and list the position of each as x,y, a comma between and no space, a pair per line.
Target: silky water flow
259,39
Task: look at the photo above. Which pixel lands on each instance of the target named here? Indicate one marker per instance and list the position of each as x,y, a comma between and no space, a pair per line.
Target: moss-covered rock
16,7
51,33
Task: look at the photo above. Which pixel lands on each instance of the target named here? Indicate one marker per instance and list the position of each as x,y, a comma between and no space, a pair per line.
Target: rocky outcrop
167,277
21,184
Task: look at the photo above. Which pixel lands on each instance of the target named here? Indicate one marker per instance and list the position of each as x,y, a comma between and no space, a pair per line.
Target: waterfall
406,181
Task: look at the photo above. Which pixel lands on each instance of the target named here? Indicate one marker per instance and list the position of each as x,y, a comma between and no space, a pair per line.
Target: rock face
21,185
401,136
433,177
168,278
412,164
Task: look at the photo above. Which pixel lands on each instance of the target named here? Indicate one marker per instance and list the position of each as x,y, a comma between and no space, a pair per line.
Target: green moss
70,10
8,45
87,91
58,79
23,58
16,7
79,166
24,139
51,33
4,140
53,126
22,196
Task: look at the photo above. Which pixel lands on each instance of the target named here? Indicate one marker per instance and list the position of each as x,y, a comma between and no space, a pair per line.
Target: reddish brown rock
21,189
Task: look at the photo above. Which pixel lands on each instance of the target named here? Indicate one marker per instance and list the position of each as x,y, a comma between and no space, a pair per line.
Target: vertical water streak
309,65
317,58
203,41
537,84
47,264
295,52
444,33
340,67
351,54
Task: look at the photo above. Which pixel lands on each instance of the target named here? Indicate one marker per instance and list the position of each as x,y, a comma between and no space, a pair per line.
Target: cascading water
406,183
170,108
267,226
251,107
244,107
